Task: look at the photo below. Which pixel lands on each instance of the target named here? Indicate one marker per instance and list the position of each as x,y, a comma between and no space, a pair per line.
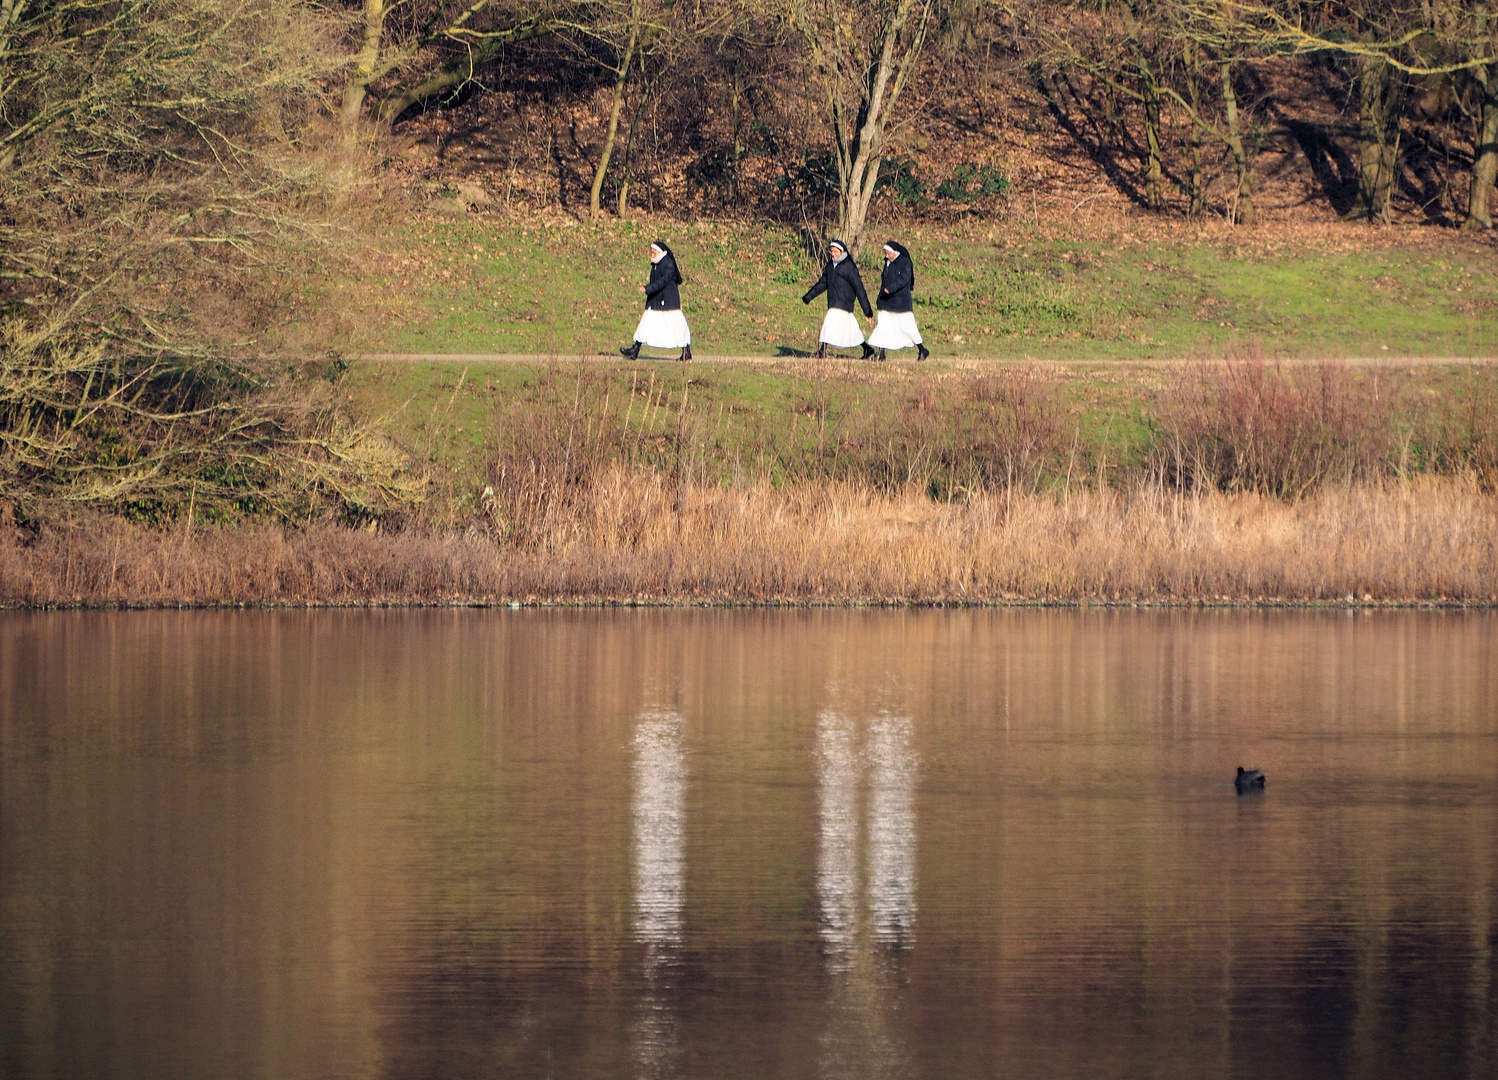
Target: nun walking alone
841,282
663,326
896,328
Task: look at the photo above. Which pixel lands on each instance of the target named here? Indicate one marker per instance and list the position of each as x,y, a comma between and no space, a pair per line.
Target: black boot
686,354
821,353
880,355
921,352
868,351
630,352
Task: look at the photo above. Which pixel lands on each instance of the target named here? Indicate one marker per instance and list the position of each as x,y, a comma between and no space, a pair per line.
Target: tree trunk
1193,81
860,137
1154,191
608,141
857,194
629,143
1381,103
958,30
461,70
738,143
1245,202
10,18
858,161
364,63
1485,153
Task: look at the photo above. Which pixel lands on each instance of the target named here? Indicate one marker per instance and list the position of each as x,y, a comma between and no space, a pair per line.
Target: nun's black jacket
896,283
842,284
660,292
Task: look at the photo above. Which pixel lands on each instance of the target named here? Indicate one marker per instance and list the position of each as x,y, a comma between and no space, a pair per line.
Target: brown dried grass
837,542
638,535
104,561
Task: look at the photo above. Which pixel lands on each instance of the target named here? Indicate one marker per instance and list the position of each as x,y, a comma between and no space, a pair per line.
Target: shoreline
683,604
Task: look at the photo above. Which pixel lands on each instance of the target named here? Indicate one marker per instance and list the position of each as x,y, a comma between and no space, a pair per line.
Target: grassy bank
634,536
793,481
796,482
1005,290
1091,474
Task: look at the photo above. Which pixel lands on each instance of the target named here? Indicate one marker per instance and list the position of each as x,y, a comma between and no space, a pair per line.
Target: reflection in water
886,765
891,828
863,942
660,774
660,797
837,852
422,845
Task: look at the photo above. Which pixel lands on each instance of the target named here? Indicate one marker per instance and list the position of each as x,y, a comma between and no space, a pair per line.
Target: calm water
748,844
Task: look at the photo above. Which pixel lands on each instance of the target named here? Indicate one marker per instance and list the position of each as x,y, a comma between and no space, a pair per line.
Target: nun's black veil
901,249
670,255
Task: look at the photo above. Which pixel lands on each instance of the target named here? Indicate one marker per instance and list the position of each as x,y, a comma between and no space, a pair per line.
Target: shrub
970,182
1249,425
898,174
157,439
814,177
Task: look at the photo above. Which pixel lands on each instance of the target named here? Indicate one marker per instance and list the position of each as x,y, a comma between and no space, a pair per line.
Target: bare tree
865,52
1469,31
1156,53
463,52
144,178
638,34
1242,204
1383,100
159,202
1388,43
427,48
1485,148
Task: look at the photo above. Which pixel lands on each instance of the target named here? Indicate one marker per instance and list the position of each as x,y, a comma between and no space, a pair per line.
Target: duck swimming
1248,779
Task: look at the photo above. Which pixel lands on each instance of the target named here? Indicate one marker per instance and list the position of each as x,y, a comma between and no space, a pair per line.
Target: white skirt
664,329
895,330
841,330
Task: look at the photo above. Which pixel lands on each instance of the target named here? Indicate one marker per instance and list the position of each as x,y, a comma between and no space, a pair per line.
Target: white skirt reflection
659,821
895,330
838,775
841,330
892,839
664,329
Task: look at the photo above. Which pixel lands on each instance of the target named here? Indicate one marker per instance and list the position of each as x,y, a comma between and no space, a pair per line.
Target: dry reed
637,537
641,535
101,561
1250,425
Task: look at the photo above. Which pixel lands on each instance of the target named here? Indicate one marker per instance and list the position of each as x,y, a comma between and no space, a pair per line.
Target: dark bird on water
1248,779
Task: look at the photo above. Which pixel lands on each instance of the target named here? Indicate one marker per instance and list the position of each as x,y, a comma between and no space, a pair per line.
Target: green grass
1101,304
486,286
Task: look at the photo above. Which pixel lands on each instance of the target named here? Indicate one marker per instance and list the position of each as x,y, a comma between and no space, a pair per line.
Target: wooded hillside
176,177
816,113
156,158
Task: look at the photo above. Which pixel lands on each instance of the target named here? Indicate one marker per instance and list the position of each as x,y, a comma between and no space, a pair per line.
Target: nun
896,328
663,326
841,282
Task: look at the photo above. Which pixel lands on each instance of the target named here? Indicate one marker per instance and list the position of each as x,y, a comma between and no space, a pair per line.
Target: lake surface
716,844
